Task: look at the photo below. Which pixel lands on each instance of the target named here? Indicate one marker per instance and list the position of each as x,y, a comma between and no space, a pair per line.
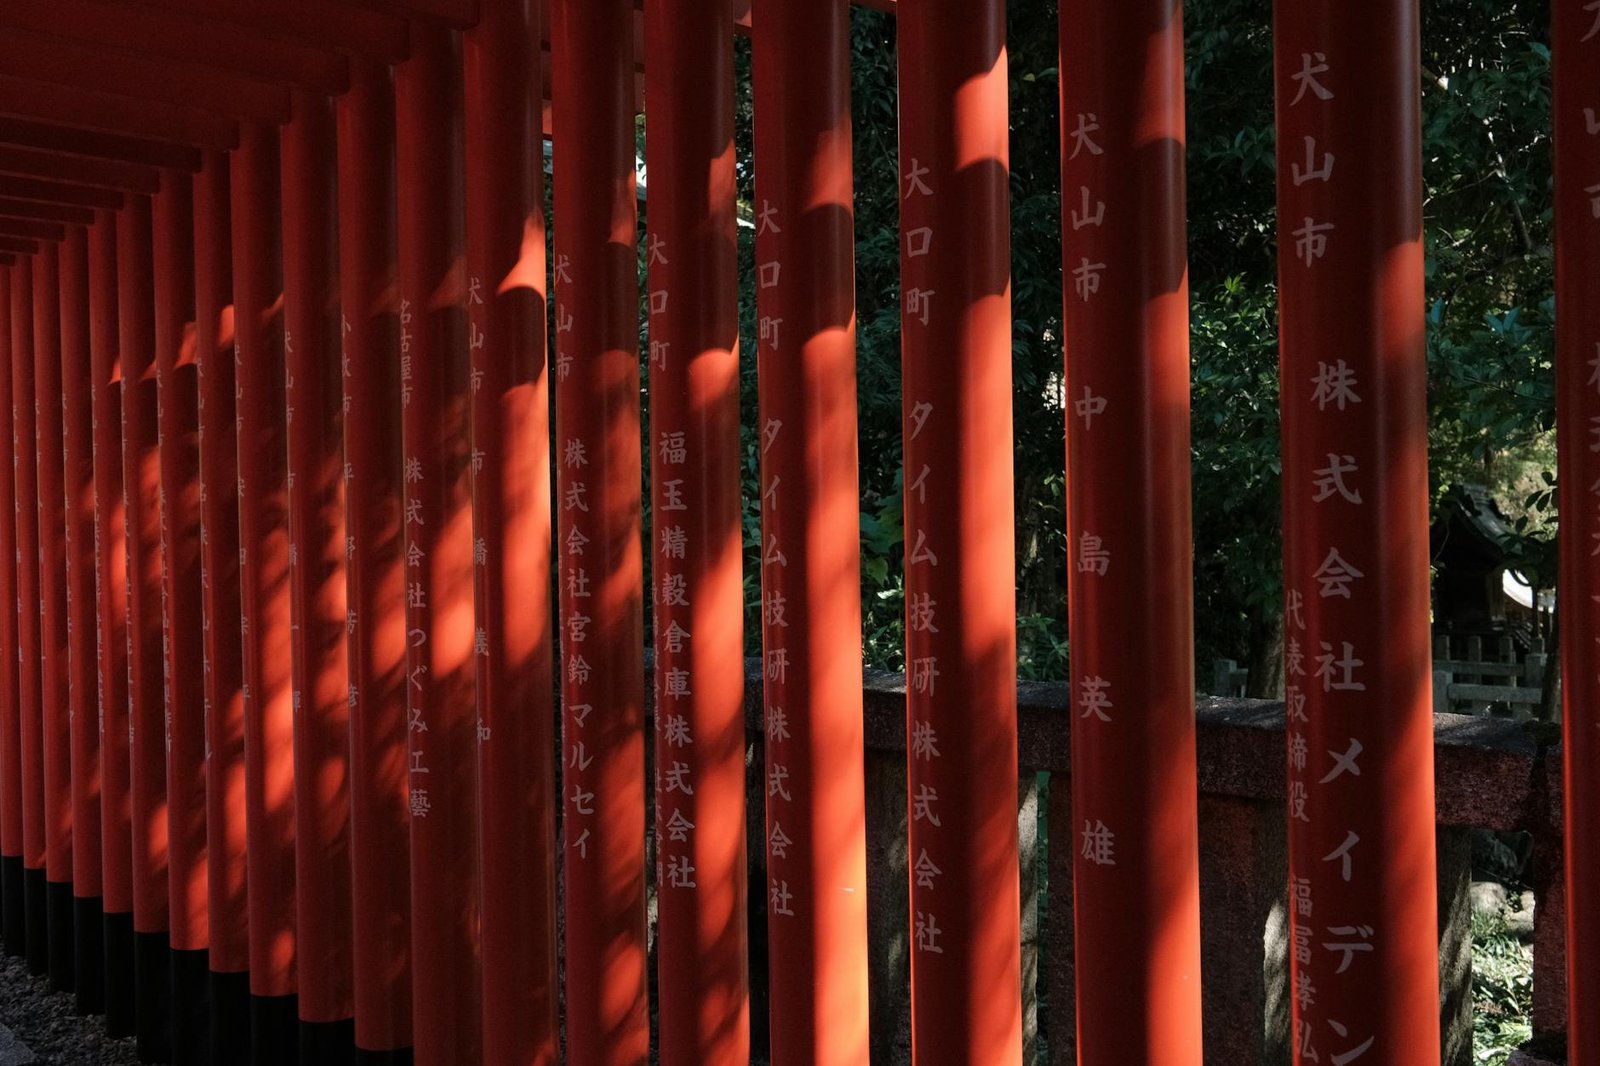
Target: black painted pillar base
120,1012
89,954
35,896
398,1057
230,1019
328,1043
13,915
152,996
274,1030
191,1008
58,909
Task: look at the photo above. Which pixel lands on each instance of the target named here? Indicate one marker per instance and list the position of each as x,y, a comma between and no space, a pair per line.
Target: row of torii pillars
288,416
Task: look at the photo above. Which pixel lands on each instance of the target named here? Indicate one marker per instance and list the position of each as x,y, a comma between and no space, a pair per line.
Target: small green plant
1502,990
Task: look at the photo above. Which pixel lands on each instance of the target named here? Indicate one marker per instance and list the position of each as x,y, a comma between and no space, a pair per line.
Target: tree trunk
1266,656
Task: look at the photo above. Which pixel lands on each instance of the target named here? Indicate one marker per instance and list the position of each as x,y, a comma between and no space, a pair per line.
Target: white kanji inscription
1311,240
1311,64
1344,764
1335,575
1087,124
1094,696
1338,673
1089,405
1329,480
1087,216
925,870
1092,555
1334,384
1099,843
1314,170
1342,853
1358,940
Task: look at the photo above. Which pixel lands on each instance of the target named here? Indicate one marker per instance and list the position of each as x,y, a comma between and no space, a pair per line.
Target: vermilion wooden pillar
26,434
811,559
376,572
13,919
177,390
147,724
960,572
1136,879
227,912
111,635
264,596
1576,44
317,582
601,576
52,606
694,465
1357,658
510,399
77,387
442,723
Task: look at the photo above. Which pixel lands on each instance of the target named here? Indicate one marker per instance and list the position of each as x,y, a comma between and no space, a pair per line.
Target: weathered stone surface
39,1025
1454,849
888,922
1528,1058
14,1052
1489,772
1492,773
1498,856
1540,1051
1549,938
1520,917
1059,964
1031,884
1488,898
1243,871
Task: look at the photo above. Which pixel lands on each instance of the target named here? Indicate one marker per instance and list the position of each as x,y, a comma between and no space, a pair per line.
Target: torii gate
275,351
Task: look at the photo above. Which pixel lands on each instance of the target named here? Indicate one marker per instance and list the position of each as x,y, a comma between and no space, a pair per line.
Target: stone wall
1491,773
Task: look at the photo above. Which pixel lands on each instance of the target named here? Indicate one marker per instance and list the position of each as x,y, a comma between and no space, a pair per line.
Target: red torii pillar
84,682
597,438
13,918
264,596
1575,41
177,406
1136,851
53,694
26,435
1364,950
505,235
147,728
313,393
442,725
810,521
111,593
694,467
960,575
380,843
227,911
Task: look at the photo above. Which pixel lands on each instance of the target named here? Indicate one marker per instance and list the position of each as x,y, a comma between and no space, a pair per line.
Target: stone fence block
1490,773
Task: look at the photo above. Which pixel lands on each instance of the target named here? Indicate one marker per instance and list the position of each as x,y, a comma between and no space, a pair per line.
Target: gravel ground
44,1021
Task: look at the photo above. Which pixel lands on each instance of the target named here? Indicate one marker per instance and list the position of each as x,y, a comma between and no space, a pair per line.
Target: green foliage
1487,219
1036,357
1489,314
1502,990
